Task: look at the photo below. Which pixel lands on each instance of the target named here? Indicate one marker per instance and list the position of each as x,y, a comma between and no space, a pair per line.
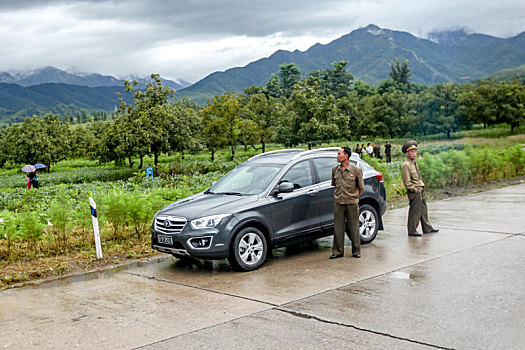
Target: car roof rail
324,149
274,152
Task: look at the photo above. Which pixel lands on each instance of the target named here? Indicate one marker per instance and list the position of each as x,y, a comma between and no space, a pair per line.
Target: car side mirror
285,187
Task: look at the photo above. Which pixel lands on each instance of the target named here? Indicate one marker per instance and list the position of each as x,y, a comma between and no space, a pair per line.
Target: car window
324,167
299,174
250,178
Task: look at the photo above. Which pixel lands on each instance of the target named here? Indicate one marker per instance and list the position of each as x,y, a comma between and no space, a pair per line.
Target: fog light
202,242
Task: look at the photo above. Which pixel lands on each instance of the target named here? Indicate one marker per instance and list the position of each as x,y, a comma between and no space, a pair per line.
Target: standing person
30,177
149,171
35,180
348,181
388,149
363,150
377,151
415,191
358,149
369,149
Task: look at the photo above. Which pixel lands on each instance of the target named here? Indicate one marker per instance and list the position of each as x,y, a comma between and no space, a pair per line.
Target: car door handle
312,192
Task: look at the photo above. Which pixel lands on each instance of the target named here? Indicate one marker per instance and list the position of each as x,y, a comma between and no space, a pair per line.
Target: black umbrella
39,166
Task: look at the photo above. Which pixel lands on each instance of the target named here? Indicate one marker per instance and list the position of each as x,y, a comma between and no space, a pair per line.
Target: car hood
202,204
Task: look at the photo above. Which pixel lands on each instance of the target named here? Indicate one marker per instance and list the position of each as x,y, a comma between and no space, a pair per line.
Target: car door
296,213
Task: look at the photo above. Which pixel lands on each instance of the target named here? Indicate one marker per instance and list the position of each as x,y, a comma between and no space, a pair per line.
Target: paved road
460,288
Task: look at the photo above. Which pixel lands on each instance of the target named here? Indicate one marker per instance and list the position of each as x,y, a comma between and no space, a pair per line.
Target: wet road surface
460,288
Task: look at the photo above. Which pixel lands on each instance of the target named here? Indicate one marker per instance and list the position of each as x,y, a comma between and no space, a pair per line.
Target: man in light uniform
348,181
415,191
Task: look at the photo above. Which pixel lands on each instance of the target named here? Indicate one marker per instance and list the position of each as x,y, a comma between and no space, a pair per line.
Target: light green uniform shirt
411,177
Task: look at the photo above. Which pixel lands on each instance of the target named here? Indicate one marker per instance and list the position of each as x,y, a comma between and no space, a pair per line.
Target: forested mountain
18,102
51,90
453,56
55,75
509,74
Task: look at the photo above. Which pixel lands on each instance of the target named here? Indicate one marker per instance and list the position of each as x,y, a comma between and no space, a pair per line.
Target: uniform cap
409,145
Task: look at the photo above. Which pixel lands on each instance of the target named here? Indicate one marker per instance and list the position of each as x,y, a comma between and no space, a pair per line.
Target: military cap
409,145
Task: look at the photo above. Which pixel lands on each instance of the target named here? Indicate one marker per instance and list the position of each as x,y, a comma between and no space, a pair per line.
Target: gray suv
271,200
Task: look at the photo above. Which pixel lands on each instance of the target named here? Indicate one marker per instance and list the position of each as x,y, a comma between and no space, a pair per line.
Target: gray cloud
190,39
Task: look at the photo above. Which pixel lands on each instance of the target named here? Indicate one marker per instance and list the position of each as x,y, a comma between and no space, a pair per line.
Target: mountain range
450,56
54,75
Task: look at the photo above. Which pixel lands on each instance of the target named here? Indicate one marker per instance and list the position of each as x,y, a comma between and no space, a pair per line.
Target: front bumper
211,243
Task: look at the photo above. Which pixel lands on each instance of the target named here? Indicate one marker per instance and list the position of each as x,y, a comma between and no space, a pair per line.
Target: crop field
48,231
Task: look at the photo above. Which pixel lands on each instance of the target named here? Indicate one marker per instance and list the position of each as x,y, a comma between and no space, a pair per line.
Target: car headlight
207,221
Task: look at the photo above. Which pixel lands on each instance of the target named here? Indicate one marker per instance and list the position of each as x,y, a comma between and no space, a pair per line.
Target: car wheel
368,223
248,250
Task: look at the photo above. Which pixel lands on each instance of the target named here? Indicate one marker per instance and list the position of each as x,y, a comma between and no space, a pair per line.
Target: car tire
368,223
248,250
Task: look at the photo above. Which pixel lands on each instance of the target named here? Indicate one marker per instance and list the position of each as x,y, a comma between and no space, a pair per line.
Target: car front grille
169,224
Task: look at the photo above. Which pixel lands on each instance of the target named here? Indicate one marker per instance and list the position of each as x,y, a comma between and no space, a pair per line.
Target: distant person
358,149
363,150
377,151
348,181
29,179
369,149
388,150
149,171
415,191
35,180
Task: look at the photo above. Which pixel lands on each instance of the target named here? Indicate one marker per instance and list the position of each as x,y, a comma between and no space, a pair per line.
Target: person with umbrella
35,180
30,170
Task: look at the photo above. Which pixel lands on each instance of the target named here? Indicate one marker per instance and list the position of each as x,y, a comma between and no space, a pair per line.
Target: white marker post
96,232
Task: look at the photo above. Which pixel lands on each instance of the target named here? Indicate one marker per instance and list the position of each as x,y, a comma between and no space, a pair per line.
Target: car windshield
246,179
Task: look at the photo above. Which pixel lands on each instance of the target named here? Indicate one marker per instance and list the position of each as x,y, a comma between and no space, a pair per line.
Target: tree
314,118
183,126
438,107
39,140
332,81
146,120
389,114
260,119
226,108
213,134
400,72
281,85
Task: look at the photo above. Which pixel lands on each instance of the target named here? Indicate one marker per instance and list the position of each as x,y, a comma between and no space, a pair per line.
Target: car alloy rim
367,224
250,248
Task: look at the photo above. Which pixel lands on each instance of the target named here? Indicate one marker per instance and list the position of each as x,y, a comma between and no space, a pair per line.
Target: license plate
165,239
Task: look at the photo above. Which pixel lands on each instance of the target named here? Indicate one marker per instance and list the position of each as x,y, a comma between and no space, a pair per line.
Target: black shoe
432,231
335,256
415,234
357,256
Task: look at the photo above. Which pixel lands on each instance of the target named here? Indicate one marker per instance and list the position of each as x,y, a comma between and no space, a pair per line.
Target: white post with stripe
94,218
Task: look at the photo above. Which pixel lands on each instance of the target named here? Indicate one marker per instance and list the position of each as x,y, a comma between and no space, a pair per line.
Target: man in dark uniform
348,181
388,149
415,192
377,151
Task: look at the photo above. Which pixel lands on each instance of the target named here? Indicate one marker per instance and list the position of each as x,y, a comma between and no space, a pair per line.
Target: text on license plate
165,239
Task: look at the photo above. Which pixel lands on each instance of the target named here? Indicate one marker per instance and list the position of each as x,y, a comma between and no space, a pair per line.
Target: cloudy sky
191,39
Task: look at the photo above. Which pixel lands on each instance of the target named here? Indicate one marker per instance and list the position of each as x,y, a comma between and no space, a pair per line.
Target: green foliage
455,168
37,140
59,215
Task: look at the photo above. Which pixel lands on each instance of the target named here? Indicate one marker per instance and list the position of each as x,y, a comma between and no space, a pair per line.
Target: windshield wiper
231,193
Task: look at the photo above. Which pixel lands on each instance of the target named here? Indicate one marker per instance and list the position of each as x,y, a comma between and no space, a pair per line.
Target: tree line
290,109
